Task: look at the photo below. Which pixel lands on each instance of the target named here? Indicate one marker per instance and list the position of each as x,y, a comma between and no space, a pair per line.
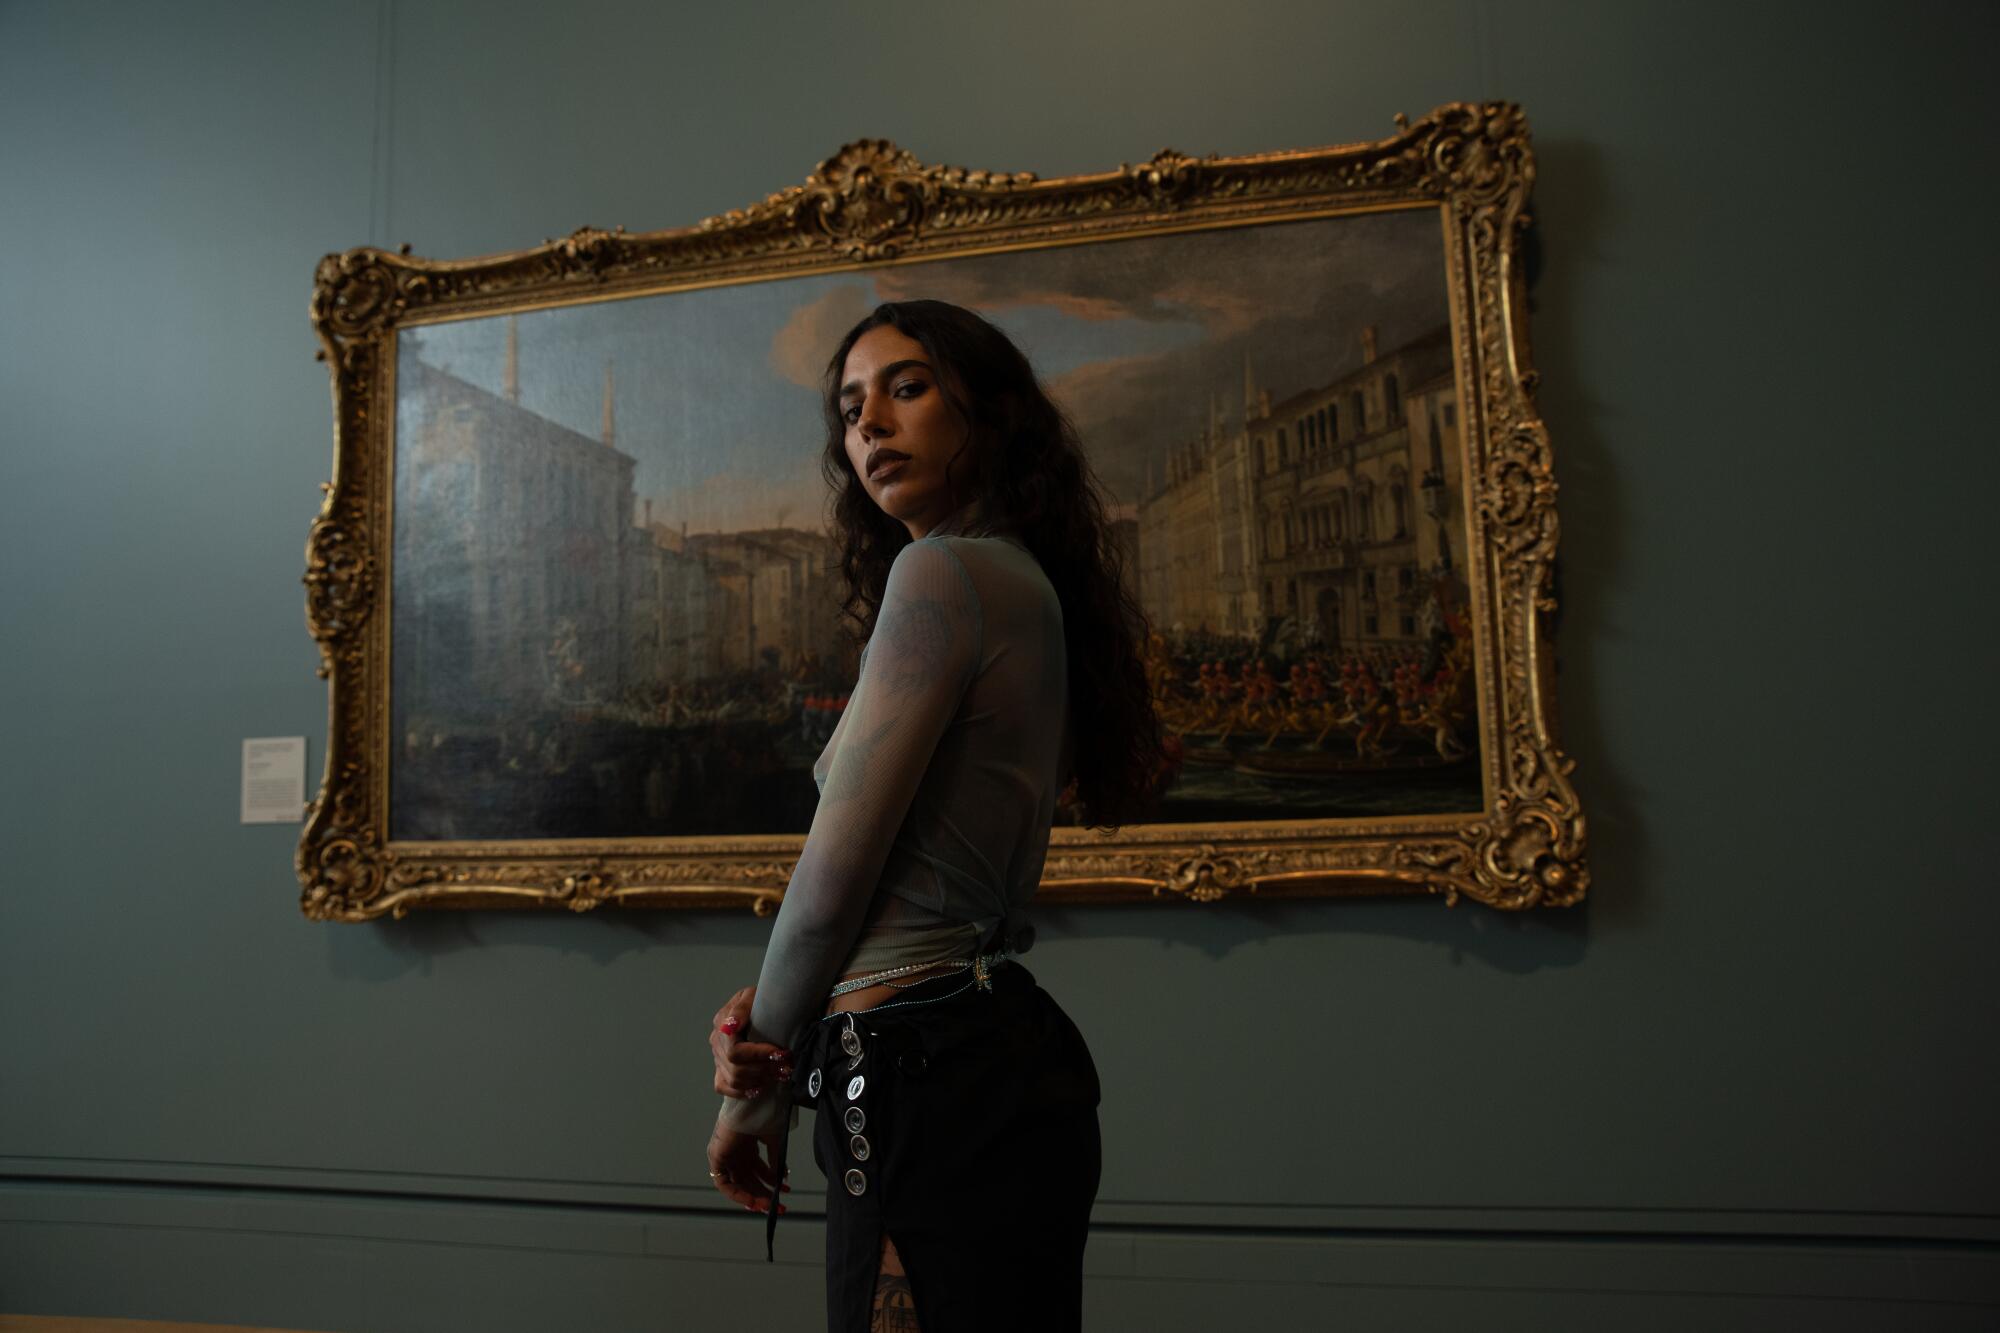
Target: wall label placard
274,779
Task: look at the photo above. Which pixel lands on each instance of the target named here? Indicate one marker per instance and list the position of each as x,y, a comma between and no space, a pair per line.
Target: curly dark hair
1028,472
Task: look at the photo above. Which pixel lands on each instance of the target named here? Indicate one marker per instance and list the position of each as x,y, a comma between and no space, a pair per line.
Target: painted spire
610,431
511,385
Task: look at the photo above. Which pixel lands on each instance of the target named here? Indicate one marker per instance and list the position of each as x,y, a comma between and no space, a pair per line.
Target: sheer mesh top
937,787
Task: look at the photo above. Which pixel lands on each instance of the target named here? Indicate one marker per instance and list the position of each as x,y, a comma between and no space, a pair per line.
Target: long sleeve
920,660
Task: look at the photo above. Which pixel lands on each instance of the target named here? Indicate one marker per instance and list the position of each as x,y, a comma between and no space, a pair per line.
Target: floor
23,1323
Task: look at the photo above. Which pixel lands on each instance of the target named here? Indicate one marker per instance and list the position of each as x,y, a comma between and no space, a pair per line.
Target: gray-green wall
1750,1086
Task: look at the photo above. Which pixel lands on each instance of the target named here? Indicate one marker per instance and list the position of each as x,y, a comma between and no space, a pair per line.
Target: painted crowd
1224,695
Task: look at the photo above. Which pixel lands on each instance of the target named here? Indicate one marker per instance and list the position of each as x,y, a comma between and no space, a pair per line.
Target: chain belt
981,966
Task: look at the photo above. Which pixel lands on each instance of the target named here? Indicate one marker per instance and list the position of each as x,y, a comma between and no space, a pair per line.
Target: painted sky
715,391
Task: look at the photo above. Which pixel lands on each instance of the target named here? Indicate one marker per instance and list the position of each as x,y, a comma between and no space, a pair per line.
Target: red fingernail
730,1025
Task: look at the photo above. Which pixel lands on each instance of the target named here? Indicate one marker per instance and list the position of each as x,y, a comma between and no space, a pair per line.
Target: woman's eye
917,387
851,415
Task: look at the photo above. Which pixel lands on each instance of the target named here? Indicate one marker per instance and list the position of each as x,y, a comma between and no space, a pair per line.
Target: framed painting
575,592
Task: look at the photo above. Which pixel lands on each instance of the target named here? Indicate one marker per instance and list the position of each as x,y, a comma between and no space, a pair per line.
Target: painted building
510,532
1325,517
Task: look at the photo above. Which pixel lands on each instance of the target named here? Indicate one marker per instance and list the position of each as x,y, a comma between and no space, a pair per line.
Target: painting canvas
615,600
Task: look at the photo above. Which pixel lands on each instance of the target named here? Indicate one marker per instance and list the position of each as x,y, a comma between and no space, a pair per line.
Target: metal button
855,1181
850,1041
855,1085
856,1119
859,1147
854,1064
913,1063
812,1084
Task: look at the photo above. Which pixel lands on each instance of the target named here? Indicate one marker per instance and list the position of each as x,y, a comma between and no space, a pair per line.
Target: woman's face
900,430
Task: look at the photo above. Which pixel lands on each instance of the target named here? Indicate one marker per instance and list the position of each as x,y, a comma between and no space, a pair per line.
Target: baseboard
374,1262
1205,1216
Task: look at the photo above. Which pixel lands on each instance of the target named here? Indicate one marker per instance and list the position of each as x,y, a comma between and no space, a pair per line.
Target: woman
956,1104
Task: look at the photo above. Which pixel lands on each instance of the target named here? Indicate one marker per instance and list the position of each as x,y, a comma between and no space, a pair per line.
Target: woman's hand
739,1171
744,1068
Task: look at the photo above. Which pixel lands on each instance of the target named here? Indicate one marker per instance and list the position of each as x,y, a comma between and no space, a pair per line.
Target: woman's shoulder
929,567
1001,564
995,548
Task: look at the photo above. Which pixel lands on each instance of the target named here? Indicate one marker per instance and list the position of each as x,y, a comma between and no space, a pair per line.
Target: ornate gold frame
873,203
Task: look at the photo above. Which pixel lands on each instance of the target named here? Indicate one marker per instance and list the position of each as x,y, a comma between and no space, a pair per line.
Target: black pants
966,1131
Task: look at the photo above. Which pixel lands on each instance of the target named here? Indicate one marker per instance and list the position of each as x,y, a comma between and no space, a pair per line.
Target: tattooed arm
920,660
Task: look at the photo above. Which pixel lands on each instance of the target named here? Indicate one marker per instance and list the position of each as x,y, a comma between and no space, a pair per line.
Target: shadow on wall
1579,216
381,951
1574,208
1506,941
384,950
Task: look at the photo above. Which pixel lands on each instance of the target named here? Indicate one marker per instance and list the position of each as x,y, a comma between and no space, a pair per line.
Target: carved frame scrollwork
872,202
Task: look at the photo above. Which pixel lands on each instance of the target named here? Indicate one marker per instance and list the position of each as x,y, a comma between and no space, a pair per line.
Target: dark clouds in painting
716,390
1135,337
